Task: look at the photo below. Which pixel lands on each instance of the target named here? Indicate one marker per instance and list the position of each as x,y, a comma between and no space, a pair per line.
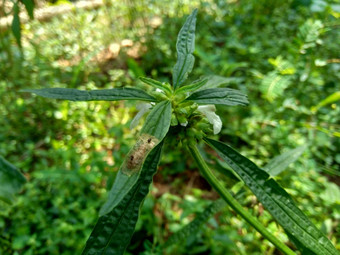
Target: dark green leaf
185,47
29,6
16,24
114,230
93,95
281,162
276,200
158,121
11,181
222,96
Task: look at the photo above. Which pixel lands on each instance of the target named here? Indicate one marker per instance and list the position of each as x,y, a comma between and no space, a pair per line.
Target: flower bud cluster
194,125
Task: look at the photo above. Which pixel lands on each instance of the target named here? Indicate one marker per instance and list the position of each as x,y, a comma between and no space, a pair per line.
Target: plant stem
234,204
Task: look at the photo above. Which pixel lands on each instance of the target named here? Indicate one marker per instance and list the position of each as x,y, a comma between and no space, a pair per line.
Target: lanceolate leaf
93,95
16,24
156,84
11,181
222,96
158,121
328,100
281,162
114,230
276,200
29,6
192,87
185,47
215,81
193,227
155,128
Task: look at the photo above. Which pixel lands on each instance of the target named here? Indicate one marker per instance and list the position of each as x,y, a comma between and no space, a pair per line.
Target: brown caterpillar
138,153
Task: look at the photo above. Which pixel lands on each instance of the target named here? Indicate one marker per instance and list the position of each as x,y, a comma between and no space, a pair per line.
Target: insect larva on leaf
138,153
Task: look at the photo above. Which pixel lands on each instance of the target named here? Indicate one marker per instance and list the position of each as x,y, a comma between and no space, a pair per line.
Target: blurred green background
284,54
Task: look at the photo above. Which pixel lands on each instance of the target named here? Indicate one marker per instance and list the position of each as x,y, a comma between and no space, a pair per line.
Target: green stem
233,203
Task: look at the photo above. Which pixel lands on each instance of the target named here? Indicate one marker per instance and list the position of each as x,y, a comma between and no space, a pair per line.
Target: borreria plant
186,113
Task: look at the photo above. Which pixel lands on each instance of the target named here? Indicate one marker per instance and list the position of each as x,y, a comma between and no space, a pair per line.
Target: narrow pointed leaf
11,181
276,200
192,87
223,96
185,47
29,6
194,226
156,84
215,81
157,123
93,95
154,130
328,100
281,162
113,231
16,29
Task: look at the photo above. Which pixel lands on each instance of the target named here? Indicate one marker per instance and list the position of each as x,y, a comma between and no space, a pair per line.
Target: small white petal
213,118
142,109
217,124
184,124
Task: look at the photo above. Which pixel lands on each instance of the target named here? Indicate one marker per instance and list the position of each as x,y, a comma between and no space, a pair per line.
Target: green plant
11,181
186,114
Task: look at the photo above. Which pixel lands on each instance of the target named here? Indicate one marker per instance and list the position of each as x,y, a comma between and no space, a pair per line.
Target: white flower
142,109
213,118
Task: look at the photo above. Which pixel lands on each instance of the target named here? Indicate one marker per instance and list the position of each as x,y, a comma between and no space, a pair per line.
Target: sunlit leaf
328,100
276,200
223,96
185,47
93,95
113,231
273,85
